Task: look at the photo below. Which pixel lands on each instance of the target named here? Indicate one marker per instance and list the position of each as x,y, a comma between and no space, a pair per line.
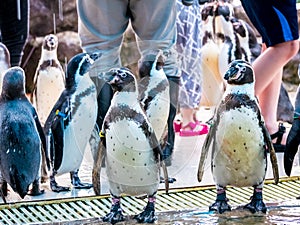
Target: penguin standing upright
49,79
133,153
4,61
71,121
21,136
154,91
239,141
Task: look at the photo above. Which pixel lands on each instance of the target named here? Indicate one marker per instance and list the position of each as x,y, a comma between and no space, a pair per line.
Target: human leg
268,73
277,23
102,35
189,55
160,33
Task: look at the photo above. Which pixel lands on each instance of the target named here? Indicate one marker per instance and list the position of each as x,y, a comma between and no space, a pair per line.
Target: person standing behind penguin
102,25
189,54
14,26
277,23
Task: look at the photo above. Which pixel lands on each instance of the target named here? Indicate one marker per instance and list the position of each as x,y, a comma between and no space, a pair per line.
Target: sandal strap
279,133
190,125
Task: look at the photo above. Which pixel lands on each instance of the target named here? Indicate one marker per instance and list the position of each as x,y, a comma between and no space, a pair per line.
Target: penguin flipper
204,152
271,149
96,178
158,155
166,176
43,139
292,144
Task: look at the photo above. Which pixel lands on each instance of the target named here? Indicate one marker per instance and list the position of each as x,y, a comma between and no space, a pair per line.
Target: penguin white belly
212,81
239,156
50,85
159,115
78,132
130,164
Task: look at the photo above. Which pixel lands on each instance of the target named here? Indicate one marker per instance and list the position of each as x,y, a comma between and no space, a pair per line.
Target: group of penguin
51,131
37,137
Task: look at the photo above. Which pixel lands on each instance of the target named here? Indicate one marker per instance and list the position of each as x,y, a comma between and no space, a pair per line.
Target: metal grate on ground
72,209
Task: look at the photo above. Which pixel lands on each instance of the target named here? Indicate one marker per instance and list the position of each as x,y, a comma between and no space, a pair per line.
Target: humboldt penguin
71,121
21,137
293,138
133,153
49,79
4,61
153,90
239,141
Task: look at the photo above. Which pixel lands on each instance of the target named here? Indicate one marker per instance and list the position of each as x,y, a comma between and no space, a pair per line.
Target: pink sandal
177,126
193,132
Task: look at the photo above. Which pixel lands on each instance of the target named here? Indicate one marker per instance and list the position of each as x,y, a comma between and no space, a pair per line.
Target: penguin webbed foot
35,190
55,187
170,180
4,189
148,215
115,215
76,182
256,204
220,205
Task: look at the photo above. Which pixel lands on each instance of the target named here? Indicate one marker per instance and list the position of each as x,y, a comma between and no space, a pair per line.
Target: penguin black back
146,63
20,134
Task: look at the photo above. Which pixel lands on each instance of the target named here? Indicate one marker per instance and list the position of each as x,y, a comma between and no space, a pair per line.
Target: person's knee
294,47
291,48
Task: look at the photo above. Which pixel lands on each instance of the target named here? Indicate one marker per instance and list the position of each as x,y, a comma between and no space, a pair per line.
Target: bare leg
187,116
268,73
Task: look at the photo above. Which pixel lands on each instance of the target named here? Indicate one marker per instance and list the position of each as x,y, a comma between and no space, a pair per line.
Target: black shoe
278,135
167,154
187,2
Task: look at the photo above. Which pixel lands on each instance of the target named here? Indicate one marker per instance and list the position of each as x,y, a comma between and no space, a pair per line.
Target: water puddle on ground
278,213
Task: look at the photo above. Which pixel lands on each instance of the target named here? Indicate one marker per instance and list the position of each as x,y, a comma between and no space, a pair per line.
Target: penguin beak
96,55
108,76
231,72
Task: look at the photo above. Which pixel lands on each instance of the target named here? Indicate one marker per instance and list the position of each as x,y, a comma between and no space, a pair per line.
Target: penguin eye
243,69
89,60
123,74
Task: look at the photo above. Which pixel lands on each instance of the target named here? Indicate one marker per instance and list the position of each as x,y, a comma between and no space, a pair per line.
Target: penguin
49,78
225,39
293,138
249,45
71,121
133,154
4,61
154,93
21,137
239,141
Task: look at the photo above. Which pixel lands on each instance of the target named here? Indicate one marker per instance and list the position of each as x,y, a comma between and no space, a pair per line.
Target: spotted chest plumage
130,159
239,156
